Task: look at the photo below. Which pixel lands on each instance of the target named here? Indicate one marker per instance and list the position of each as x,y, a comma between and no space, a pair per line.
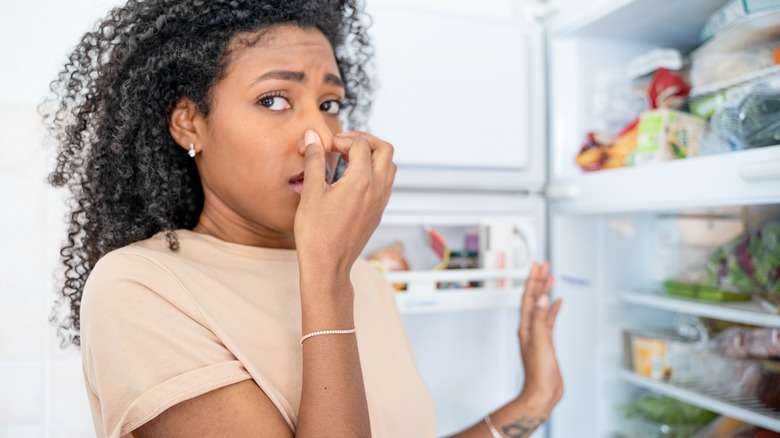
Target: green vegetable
666,410
750,262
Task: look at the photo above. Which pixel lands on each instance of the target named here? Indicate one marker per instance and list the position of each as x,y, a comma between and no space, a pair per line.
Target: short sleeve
145,344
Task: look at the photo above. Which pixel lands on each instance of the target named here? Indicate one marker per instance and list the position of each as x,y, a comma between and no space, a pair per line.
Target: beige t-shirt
159,327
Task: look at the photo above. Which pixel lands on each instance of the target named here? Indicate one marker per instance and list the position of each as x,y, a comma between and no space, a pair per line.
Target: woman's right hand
334,222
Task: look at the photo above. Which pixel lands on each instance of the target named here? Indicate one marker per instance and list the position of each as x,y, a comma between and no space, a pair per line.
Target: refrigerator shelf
748,177
748,312
746,409
422,295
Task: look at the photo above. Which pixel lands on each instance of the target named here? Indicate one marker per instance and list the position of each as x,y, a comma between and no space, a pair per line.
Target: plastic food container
662,356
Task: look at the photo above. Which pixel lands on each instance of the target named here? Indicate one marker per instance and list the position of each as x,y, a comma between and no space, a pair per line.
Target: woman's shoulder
141,264
135,276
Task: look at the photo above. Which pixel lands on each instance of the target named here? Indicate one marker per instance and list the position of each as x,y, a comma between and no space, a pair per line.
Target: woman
212,266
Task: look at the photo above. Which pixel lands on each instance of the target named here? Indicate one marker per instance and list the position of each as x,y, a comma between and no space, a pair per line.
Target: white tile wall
41,386
22,394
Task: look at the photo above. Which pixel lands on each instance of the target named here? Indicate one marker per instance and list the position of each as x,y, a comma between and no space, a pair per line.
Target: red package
667,90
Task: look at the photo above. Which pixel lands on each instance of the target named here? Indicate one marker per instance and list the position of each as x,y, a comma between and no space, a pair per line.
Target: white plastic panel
458,94
577,264
662,24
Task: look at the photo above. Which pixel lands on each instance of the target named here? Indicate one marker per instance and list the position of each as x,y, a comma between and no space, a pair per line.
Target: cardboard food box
666,134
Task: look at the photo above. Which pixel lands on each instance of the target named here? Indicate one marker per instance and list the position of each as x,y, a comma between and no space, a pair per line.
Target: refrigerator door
460,94
462,323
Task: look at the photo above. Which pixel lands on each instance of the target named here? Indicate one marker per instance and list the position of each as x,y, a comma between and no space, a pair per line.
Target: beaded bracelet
327,332
493,430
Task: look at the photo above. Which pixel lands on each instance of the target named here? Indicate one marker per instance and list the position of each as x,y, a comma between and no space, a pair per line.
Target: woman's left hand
543,381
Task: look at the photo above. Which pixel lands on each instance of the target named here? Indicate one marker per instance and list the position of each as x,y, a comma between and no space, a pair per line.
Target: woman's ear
183,124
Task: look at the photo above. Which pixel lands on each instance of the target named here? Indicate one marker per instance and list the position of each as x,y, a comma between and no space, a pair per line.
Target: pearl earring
192,150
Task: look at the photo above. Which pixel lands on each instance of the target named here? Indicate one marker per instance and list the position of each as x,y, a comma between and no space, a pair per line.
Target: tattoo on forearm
522,427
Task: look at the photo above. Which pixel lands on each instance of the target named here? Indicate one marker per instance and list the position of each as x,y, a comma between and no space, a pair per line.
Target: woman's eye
275,103
331,106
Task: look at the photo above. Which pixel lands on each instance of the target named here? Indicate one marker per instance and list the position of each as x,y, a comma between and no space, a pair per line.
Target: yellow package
650,358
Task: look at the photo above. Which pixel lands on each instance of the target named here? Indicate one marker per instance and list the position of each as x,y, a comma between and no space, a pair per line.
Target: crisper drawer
486,243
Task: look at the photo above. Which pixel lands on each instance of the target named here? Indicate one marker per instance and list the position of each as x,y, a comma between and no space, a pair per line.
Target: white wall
41,386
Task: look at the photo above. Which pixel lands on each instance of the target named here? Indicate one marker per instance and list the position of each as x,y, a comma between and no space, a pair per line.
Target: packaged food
769,384
749,343
759,117
667,90
390,258
461,260
704,292
742,117
605,152
728,376
438,245
666,134
732,11
750,262
502,247
662,355
653,416
710,67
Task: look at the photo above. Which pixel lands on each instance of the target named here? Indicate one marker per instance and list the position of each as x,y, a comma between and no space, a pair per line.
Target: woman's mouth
297,183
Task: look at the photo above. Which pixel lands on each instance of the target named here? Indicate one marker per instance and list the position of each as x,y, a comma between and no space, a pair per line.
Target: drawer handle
754,172
562,192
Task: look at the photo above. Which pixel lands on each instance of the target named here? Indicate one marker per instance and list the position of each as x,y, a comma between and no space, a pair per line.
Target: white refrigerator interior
487,105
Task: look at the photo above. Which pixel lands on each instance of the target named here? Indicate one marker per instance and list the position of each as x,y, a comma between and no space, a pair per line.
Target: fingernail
543,301
311,137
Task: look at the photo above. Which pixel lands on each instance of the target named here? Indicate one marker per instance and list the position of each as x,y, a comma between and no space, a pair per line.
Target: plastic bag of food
661,416
749,343
750,262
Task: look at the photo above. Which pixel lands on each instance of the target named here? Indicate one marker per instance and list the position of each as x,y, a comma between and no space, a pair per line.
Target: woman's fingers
535,306
527,303
380,154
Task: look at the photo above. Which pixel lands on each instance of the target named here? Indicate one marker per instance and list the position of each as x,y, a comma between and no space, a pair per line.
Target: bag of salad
750,262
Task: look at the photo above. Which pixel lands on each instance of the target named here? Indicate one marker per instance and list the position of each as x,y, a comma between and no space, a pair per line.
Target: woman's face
251,147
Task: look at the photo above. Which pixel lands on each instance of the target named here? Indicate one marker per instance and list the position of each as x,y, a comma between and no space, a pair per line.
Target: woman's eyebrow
285,75
330,78
297,76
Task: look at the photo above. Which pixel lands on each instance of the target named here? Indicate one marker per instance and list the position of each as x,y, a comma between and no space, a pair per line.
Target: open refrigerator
487,105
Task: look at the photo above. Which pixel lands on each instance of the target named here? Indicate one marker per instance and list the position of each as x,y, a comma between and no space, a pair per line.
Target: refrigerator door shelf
749,312
422,296
749,410
748,177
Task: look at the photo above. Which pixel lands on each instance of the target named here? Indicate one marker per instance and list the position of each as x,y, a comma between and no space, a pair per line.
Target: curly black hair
111,102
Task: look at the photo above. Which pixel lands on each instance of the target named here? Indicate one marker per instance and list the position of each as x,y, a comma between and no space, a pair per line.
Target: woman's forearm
333,398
